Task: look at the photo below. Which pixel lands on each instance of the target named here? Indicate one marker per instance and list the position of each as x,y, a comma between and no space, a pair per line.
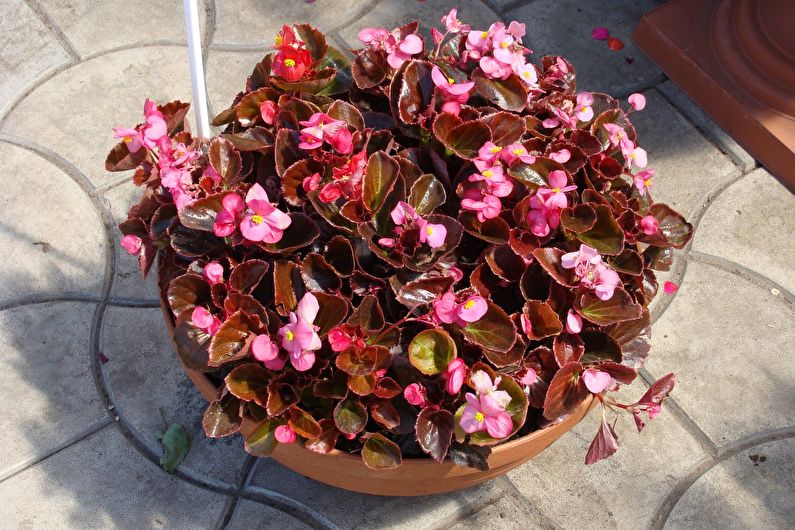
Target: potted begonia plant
409,272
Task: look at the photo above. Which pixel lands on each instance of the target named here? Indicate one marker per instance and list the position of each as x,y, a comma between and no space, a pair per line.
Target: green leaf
380,453
494,330
380,176
249,382
303,423
606,236
350,416
176,444
431,351
262,440
435,431
604,312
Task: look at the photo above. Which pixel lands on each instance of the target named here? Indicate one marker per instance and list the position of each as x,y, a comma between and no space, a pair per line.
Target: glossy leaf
430,351
426,194
121,159
506,127
509,94
200,214
324,443
379,178
232,340
565,392
339,254
332,312
249,382
186,292
604,445
379,453
226,161
385,414
262,439
350,416
370,68
605,236
544,321
466,139
435,431
604,312
192,345
411,91
222,417
303,423
246,276
494,330
280,397
248,108
579,219
550,259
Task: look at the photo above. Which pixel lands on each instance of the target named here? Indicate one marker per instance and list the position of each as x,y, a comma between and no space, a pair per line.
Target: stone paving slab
47,388
227,72
93,27
743,493
256,22
620,492
352,510
27,50
49,251
103,482
726,143
731,344
95,96
563,27
249,515
752,223
148,387
688,166
505,514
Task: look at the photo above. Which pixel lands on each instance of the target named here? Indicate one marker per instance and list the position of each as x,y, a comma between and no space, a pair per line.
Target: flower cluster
447,242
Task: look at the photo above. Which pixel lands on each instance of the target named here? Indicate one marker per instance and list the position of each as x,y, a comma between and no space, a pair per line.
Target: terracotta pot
415,476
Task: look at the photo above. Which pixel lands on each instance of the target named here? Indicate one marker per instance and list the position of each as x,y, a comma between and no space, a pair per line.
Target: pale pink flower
452,24
388,242
264,349
488,154
486,206
263,221
650,225
455,375
485,414
596,380
226,220
448,310
214,272
415,394
300,337
583,110
638,157
618,137
403,213
204,320
311,182
453,94
374,38
484,386
516,151
573,322
562,156
643,180
284,434
638,101
593,274
132,244
308,142
495,69
494,180
432,234
131,137
526,73
479,41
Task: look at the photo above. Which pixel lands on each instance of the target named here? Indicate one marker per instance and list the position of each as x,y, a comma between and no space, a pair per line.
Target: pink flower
155,126
415,394
453,94
562,156
495,69
432,234
516,151
479,41
204,320
638,157
284,434
488,155
573,322
263,221
650,225
546,204
670,287
373,37
593,274
300,337
526,377
583,109
596,380
132,244
452,24
403,213
403,50
131,137
226,220
638,101
485,414
527,73
311,182
527,326
600,33
495,181
214,272
264,349
339,340
454,378
484,386
308,142
643,180
486,206
448,310
618,136
321,126
268,111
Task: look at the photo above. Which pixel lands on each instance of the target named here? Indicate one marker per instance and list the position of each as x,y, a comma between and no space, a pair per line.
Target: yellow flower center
488,173
289,62
647,183
495,149
503,45
278,40
127,139
479,417
484,34
556,190
469,304
290,335
526,73
518,151
256,219
451,80
428,230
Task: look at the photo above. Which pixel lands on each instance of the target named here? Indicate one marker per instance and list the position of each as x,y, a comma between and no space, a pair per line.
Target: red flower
291,64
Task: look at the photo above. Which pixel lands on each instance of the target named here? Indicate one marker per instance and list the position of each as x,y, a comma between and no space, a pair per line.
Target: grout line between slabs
469,510
519,499
54,28
32,461
668,504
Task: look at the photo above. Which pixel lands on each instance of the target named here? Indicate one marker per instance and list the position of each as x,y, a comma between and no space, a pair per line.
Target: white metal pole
193,34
